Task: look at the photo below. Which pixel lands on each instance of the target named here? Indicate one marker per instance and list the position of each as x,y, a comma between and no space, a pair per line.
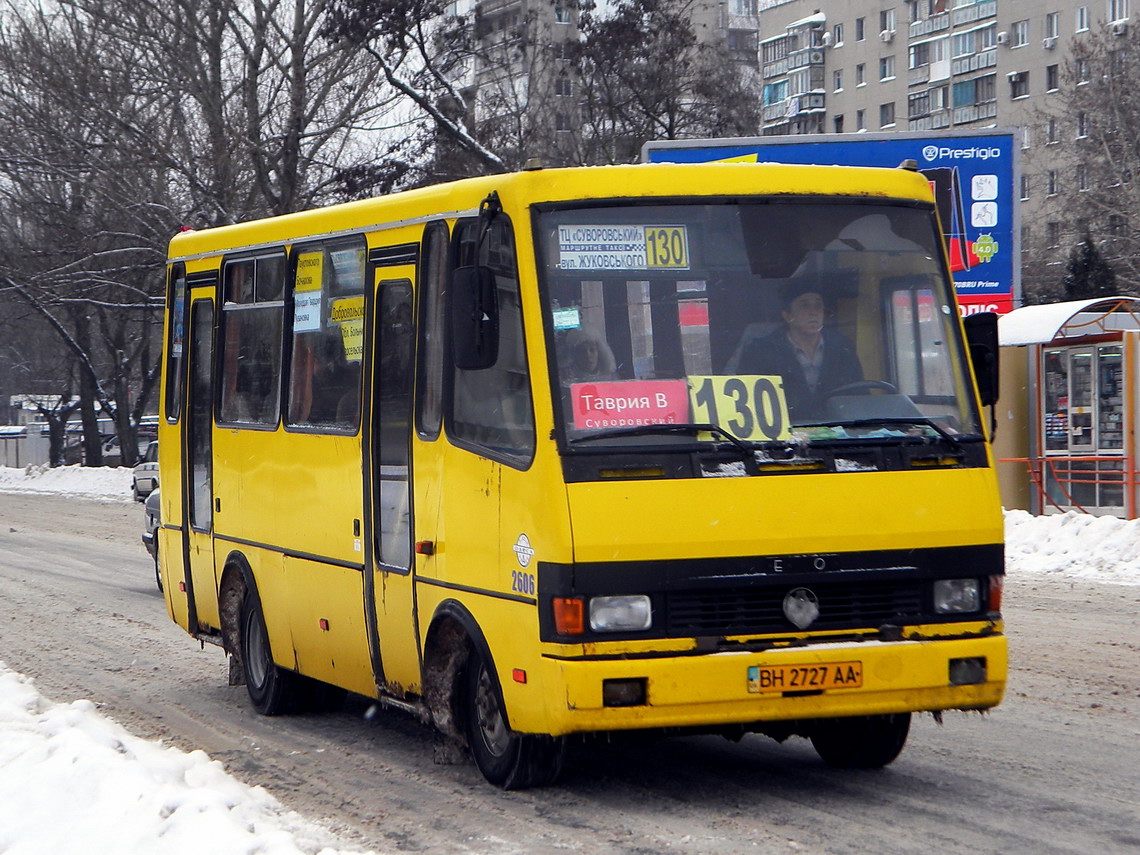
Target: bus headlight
957,596
620,614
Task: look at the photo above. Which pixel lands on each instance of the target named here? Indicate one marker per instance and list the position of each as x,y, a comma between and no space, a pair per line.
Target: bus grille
758,611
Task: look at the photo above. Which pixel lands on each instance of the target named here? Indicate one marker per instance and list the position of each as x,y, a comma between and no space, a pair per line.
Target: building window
1026,137
1082,70
887,20
1116,224
1050,130
561,122
962,45
775,93
562,86
1024,187
743,41
861,74
919,55
1019,34
1052,78
1117,10
561,14
838,122
1018,84
1053,233
1051,182
1082,125
1082,176
837,80
1082,19
886,68
860,30
887,114
987,37
745,7
918,105
1052,25
837,35
860,120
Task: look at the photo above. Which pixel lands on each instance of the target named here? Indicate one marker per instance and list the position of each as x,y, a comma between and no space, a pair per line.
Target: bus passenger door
391,595
197,465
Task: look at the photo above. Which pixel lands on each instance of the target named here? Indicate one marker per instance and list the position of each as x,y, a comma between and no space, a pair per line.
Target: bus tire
510,760
271,689
861,742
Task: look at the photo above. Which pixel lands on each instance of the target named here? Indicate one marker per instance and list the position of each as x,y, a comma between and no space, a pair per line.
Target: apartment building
940,65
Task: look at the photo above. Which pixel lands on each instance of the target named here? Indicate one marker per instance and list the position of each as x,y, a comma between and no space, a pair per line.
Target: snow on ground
92,482
72,780
125,794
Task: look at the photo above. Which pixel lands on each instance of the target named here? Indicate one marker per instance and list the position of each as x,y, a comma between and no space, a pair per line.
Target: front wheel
157,568
271,688
507,759
861,742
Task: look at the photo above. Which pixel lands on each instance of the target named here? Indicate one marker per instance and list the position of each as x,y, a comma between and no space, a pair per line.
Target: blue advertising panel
972,176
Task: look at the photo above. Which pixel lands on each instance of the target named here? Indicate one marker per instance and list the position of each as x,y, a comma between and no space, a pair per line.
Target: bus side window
433,297
491,408
328,336
250,350
175,350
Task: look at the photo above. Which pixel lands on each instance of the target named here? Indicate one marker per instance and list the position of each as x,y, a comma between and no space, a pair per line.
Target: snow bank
92,482
1105,549
74,781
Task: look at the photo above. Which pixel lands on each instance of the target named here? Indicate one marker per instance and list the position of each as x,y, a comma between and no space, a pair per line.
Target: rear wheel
157,568
861,742
513,761
271,689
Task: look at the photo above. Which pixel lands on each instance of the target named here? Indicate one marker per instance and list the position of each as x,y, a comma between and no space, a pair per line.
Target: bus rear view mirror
474,318
982,337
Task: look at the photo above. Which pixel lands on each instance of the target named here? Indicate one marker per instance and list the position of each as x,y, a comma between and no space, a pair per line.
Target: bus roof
462,198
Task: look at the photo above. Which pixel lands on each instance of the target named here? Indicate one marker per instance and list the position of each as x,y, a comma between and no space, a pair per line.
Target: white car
150,532
145,480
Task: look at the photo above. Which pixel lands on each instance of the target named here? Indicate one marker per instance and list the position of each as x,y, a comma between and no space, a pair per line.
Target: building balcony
930,25
978,12
968,64
974,113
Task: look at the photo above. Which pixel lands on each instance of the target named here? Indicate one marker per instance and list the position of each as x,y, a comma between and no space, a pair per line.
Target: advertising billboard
973,177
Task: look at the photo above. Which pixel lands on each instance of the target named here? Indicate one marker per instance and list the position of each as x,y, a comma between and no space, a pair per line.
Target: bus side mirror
474,318
982,338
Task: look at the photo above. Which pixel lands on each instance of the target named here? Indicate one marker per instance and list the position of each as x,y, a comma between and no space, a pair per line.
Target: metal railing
1068,482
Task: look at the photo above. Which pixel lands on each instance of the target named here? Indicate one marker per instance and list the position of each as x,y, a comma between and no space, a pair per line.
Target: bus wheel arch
450,637
466,701
237,579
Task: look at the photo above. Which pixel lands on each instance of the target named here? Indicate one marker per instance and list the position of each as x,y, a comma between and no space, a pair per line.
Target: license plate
805,678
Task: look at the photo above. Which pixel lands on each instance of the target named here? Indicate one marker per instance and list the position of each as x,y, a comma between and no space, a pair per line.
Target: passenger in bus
589,357
812,359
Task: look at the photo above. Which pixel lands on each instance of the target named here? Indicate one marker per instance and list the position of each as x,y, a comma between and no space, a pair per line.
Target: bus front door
390,592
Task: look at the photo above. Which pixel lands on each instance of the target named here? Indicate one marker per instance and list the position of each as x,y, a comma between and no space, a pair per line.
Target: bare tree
646,75
1086,162
124,119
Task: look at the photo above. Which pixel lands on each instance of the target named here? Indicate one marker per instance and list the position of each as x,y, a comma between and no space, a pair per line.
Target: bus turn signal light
569,615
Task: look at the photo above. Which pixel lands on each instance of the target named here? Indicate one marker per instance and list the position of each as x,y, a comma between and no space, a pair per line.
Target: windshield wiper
887,421
747,455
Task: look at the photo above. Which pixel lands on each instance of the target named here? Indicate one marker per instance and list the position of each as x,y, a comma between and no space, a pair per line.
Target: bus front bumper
736,688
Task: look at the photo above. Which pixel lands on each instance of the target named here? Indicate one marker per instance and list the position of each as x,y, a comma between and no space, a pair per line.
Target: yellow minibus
682,448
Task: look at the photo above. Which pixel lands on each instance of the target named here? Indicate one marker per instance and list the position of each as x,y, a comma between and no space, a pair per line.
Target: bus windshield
774,320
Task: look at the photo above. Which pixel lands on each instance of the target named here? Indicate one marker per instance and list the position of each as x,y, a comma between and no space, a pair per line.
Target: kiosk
1082,364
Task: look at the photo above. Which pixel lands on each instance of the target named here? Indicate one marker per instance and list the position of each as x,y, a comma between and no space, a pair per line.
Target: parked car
145,479
150,532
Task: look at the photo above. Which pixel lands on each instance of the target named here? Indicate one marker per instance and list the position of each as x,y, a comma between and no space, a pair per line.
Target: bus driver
813,359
